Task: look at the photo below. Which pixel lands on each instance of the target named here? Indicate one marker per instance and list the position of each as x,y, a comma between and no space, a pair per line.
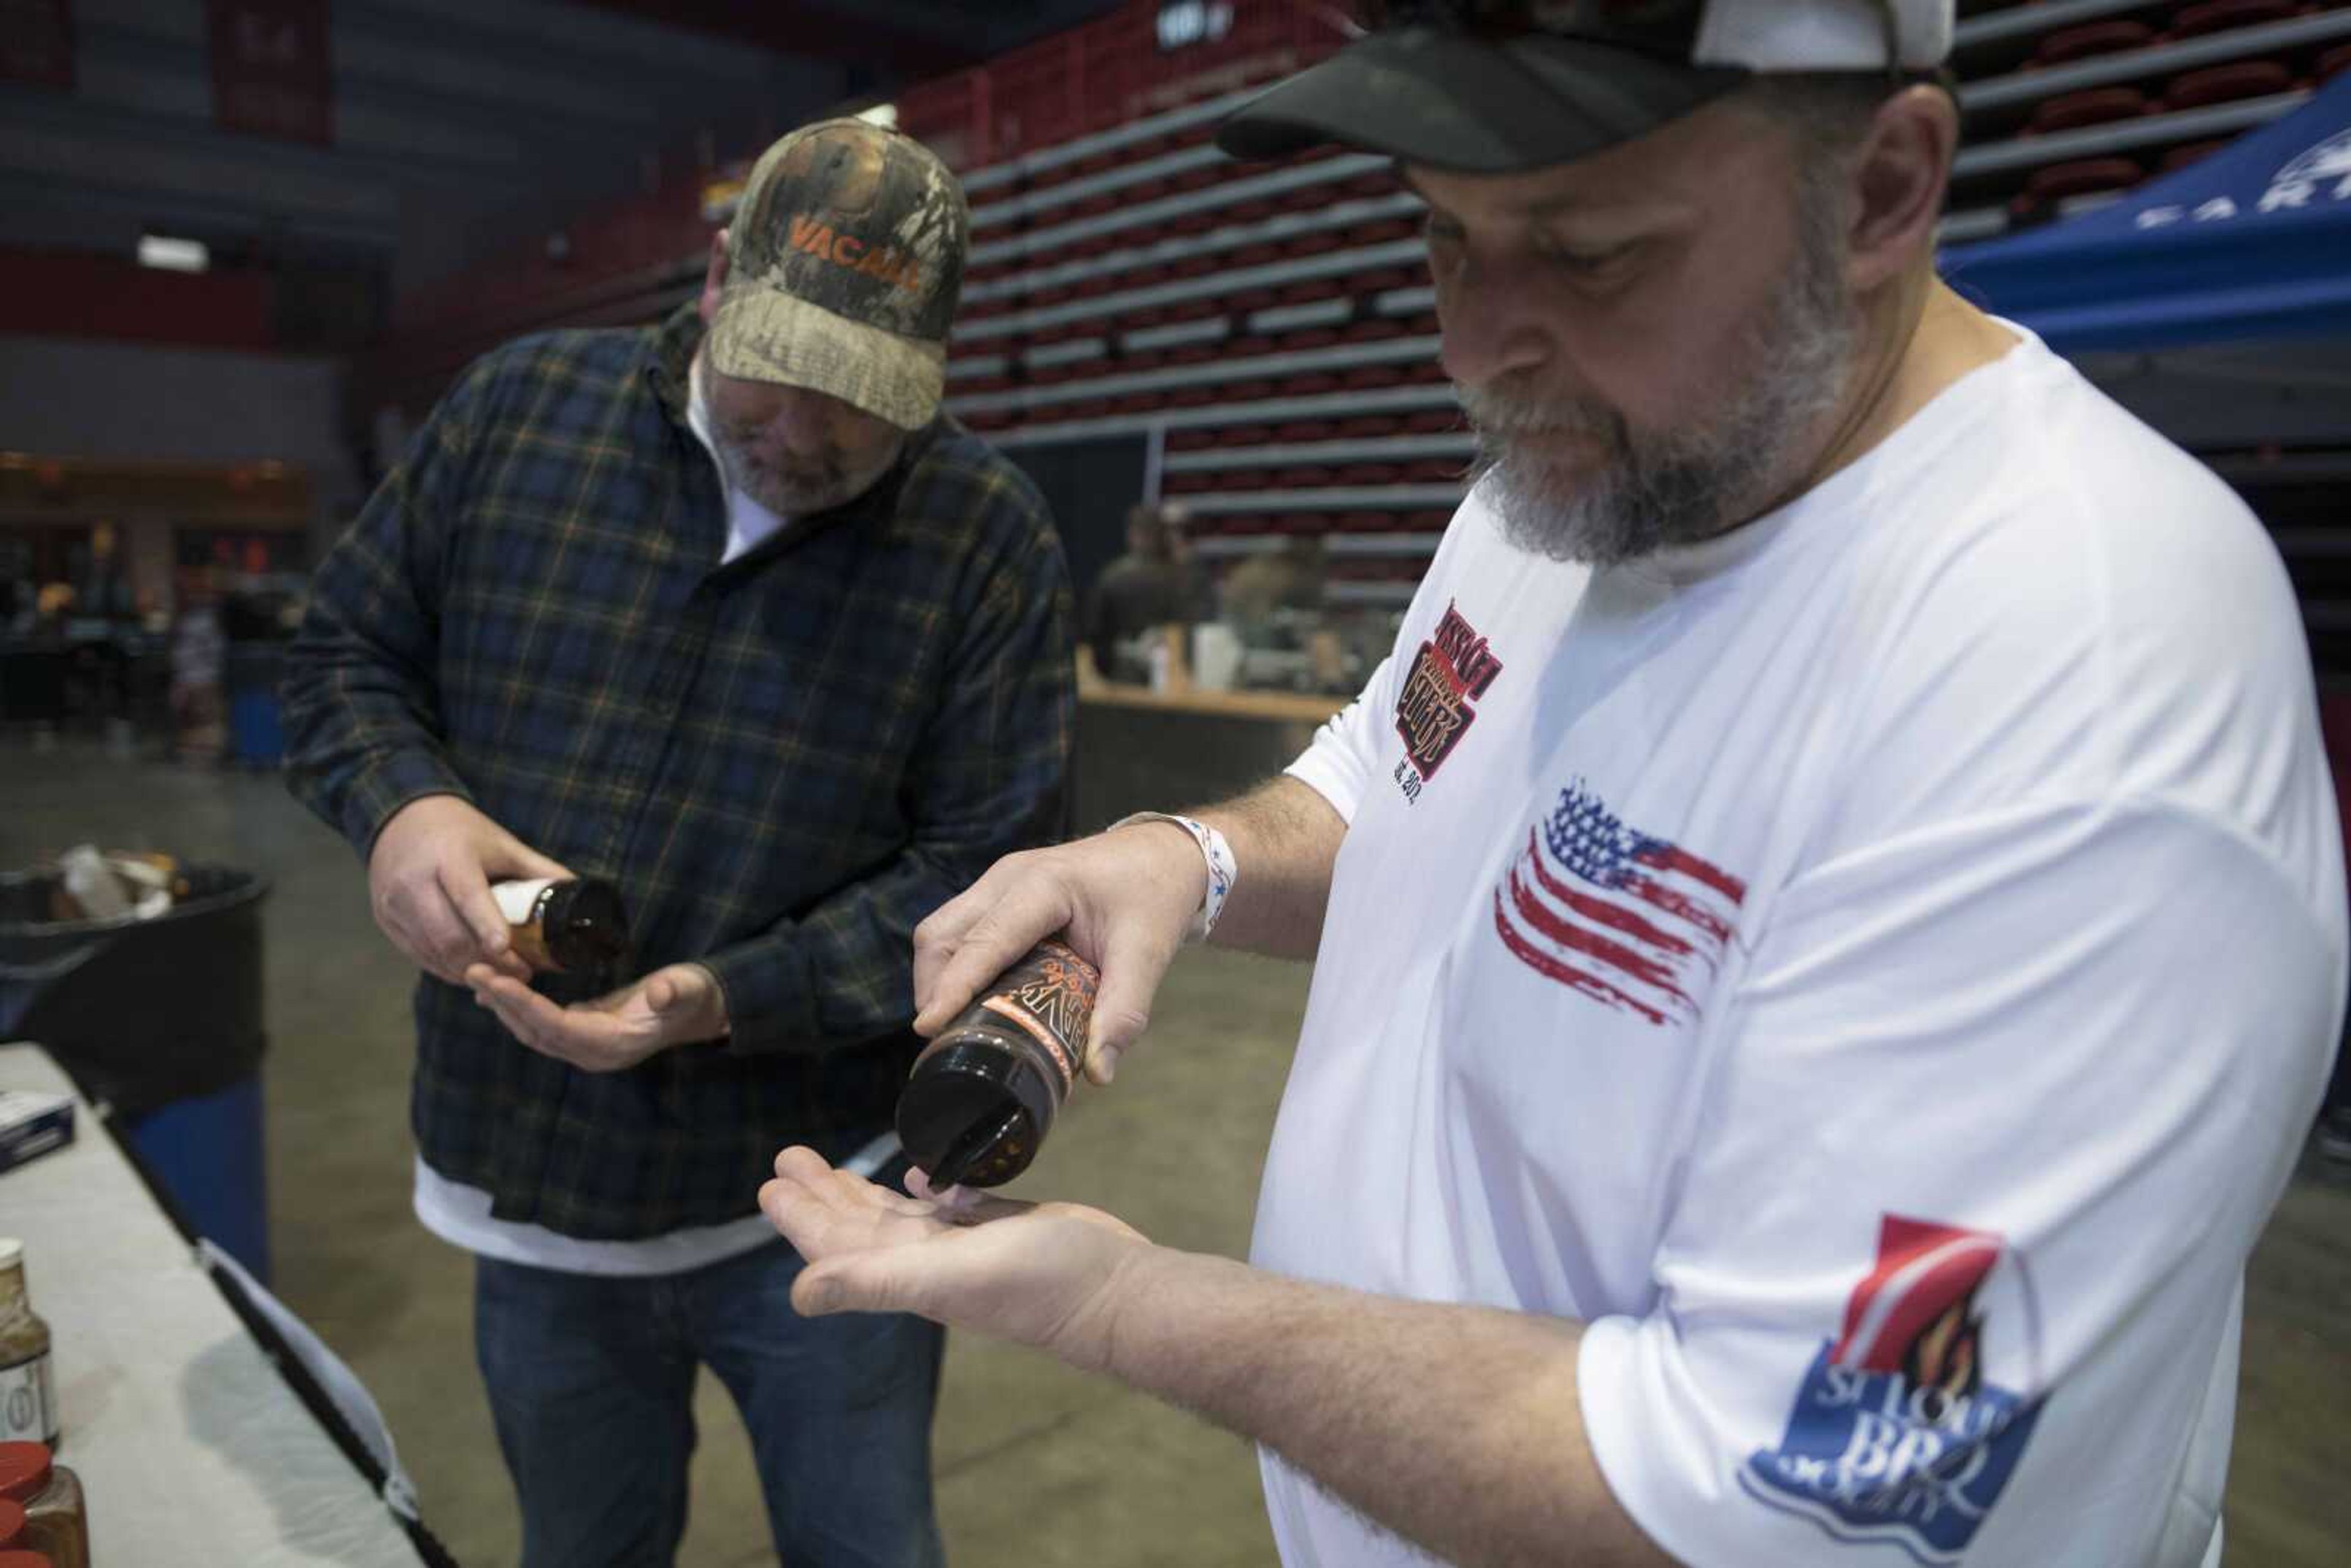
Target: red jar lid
12,1522
26,1560
23,1472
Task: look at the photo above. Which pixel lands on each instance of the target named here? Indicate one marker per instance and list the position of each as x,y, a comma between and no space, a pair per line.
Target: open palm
1038,1274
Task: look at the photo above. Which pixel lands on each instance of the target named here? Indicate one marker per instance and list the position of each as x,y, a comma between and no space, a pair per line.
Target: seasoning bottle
14,1557
12,1523
28,1404
54,1520
983,1095
574,925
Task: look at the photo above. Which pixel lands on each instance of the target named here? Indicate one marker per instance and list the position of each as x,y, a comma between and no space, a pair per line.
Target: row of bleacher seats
1274,324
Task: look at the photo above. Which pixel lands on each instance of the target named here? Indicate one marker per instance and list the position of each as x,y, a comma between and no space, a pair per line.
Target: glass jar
28,1402
56,1521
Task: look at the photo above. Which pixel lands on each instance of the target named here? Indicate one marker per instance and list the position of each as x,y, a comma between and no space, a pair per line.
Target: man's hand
429,881
680,1005
1125,899
1038,1274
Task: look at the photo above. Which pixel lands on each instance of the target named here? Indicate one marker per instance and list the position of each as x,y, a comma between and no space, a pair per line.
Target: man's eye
1585,258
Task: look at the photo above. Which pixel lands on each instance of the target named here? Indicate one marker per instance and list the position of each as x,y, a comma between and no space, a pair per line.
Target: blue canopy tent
2252,242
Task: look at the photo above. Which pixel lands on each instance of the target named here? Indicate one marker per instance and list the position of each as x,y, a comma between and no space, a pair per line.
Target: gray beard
1649,490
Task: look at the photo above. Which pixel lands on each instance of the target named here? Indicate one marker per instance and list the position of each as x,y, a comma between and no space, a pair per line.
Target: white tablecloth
190,1446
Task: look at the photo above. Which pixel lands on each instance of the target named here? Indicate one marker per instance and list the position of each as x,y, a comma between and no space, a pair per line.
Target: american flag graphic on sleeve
1632,921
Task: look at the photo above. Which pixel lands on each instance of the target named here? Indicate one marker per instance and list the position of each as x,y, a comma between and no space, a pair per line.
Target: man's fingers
1133,965
1029,911
468,892
943,930
509,859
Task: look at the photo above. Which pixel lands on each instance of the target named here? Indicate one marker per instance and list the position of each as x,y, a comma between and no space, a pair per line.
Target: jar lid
26,1560
12,1252
24,1470
12,1522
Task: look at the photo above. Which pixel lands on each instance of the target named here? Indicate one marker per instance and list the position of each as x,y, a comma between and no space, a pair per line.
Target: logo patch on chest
1630,920
1437,703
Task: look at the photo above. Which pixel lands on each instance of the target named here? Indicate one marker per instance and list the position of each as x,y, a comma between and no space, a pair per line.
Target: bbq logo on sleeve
1907,1424
1453,669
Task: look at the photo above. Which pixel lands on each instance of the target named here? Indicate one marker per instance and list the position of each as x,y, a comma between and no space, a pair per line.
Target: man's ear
715,277
1899,180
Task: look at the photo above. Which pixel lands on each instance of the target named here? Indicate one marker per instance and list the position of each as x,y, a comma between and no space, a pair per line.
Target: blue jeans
591,1384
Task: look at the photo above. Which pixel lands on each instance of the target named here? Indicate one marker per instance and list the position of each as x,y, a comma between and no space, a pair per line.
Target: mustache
1504,414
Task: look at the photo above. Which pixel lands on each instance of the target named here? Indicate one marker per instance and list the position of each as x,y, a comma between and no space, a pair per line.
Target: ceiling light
174,255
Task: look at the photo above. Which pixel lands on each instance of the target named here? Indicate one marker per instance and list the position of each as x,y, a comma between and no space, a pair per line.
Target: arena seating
1273,329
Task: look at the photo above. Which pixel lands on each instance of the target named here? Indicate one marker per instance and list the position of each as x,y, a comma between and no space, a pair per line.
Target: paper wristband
1222,870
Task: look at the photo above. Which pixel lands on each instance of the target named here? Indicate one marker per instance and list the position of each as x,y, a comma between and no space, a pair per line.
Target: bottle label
518,901
28,1410
1050,996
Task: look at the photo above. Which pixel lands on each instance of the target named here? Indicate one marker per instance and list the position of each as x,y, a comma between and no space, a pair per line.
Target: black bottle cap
974,1112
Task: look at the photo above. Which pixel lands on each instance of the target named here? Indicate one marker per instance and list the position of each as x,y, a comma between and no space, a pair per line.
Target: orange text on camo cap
818,239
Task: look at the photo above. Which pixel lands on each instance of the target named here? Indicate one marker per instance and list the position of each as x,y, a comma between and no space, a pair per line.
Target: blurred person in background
1828,926
727,612
1152,586
1258,588
198,659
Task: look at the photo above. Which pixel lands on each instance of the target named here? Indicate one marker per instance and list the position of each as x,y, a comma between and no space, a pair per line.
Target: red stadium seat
1434,422
1307,293
1248,390
1313,384
1248,347
1311,244
1251,299
1373,331
1365,377
1245,435
1191,397
1312,338
1369,474
1253,255
2092,106
2227,84
2082,177
2193,152
1303,430
1364,425
1385,232
1190,440
1239,479
2218,16
2069,44
1307,478
1432,471
1189,482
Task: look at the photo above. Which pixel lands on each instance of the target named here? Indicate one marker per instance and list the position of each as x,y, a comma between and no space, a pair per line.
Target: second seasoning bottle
984,1094
573,925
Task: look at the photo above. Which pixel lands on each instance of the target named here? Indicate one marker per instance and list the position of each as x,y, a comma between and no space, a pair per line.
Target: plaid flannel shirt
784,762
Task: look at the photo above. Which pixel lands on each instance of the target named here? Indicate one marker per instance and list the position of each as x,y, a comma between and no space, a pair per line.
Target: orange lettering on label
847,250
809,236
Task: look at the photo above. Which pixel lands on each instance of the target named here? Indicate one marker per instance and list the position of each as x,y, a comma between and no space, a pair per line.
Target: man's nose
1492,327
800,425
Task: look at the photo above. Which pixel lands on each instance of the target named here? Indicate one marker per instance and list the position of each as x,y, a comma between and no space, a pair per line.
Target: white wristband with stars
1223,873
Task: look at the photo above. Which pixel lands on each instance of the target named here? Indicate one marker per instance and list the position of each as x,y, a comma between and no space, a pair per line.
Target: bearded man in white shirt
1827,927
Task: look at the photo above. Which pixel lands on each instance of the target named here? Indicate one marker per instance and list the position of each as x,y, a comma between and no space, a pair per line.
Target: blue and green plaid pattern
784,763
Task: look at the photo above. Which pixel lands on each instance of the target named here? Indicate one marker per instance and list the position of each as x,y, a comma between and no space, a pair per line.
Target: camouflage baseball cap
843,265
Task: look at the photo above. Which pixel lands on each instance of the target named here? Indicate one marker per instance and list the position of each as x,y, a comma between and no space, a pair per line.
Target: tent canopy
2252,242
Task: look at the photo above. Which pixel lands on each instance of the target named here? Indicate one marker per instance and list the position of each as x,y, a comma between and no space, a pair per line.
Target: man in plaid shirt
739,620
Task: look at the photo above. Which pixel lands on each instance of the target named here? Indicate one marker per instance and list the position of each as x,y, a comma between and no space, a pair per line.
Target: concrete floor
1036,1466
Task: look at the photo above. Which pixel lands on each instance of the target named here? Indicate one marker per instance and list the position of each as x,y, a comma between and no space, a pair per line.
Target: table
1140,751
190,1445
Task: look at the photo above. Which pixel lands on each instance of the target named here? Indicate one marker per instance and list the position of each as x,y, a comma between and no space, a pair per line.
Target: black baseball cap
1494,87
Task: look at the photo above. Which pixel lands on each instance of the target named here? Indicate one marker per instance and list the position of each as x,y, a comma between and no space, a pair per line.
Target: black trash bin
162,1020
